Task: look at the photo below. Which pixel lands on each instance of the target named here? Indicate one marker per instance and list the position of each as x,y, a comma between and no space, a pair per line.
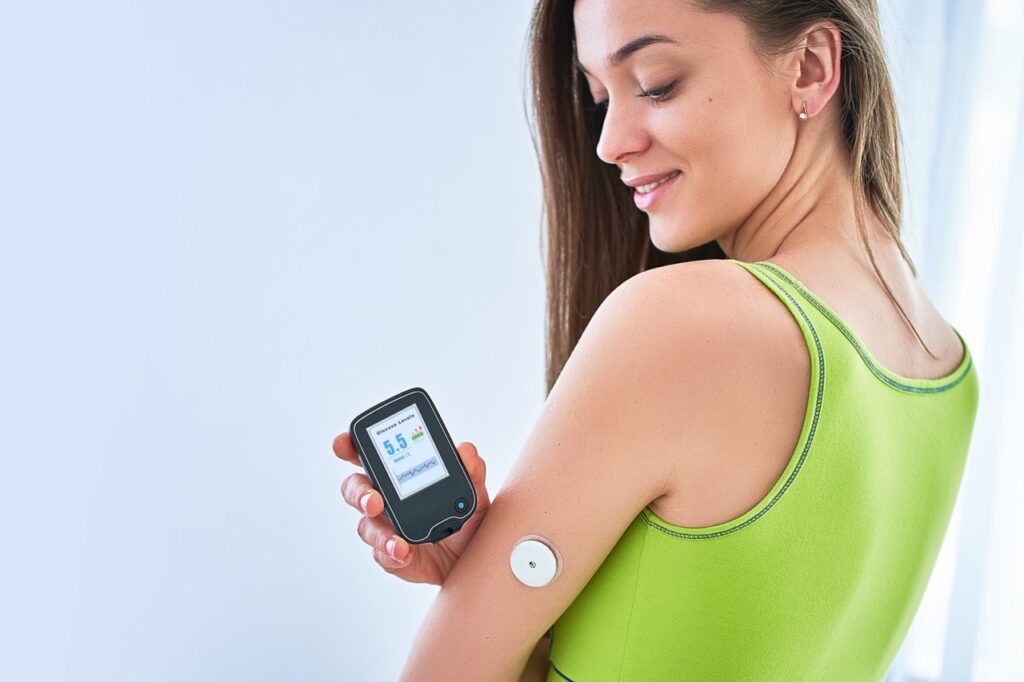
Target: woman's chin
669,238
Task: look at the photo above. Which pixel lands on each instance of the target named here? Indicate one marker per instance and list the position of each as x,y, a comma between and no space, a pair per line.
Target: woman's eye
659,94
656,95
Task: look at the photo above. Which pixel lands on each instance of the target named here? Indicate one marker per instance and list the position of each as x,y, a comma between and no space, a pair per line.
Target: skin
765,185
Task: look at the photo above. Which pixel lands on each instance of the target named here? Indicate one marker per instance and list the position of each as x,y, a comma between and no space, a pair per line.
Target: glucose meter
412,462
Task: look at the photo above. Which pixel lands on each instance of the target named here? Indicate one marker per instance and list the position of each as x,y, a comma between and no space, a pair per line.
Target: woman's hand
422,563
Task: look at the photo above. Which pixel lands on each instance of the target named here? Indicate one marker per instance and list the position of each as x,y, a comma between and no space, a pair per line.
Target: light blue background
227,228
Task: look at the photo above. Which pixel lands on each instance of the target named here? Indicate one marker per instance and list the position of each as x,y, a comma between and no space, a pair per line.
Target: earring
803,114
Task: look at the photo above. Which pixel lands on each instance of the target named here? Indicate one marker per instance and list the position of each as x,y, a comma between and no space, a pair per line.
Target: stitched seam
560,673
632,606
803,454
860,349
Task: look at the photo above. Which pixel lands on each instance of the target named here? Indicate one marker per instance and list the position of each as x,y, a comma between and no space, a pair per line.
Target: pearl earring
803,114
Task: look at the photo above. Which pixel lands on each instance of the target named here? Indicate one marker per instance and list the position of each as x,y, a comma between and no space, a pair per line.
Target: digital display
408,451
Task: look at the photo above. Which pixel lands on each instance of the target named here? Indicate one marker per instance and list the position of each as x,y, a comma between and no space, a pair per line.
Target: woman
755,430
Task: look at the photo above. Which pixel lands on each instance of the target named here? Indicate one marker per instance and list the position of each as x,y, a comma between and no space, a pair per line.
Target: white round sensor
533,562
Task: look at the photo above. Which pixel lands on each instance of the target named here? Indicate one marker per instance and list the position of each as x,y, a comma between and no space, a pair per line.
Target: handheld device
412,462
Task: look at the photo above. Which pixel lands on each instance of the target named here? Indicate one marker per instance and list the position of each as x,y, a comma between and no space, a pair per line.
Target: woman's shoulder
733,342
748,333
733,311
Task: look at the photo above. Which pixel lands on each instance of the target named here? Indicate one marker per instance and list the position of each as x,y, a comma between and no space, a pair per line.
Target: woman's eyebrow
626,51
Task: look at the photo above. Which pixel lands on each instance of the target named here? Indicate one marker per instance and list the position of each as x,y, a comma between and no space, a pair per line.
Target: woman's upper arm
601,449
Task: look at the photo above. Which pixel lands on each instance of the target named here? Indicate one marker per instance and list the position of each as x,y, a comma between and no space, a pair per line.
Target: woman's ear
815,62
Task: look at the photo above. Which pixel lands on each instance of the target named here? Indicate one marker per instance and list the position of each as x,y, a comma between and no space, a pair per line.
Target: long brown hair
595,237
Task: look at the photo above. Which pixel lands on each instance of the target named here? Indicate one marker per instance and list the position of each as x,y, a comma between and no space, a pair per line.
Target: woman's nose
621,134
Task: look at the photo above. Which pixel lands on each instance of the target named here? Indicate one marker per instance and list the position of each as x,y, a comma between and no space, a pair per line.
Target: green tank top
820,580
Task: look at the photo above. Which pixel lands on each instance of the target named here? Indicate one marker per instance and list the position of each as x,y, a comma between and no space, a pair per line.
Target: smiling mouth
646,189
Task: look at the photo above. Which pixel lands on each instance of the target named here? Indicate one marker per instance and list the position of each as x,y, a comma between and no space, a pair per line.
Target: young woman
757,422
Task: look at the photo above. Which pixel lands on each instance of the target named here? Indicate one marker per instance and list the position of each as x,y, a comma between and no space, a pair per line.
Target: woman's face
724,122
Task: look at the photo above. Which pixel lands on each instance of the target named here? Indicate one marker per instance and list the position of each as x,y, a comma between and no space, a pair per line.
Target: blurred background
227,227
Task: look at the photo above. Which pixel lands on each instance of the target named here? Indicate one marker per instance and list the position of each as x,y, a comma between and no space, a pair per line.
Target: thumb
474,463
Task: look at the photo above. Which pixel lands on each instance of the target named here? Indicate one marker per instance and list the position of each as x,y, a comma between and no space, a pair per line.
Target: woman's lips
644,200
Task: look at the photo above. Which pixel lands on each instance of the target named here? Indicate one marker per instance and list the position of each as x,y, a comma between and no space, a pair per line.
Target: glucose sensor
534,562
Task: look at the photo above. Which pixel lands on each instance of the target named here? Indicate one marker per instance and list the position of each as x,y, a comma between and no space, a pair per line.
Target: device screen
408,451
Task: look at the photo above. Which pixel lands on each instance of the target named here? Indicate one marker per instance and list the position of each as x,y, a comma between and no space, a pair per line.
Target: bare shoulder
737,319
737,371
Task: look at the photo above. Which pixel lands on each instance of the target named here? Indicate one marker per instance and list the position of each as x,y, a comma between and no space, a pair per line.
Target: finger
358,492
377,533
386,562
344,449
474,463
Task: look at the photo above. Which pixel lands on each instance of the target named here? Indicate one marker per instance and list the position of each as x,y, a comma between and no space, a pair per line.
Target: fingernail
364,500
391,547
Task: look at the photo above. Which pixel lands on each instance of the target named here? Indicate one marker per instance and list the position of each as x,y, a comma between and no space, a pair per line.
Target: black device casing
428,515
